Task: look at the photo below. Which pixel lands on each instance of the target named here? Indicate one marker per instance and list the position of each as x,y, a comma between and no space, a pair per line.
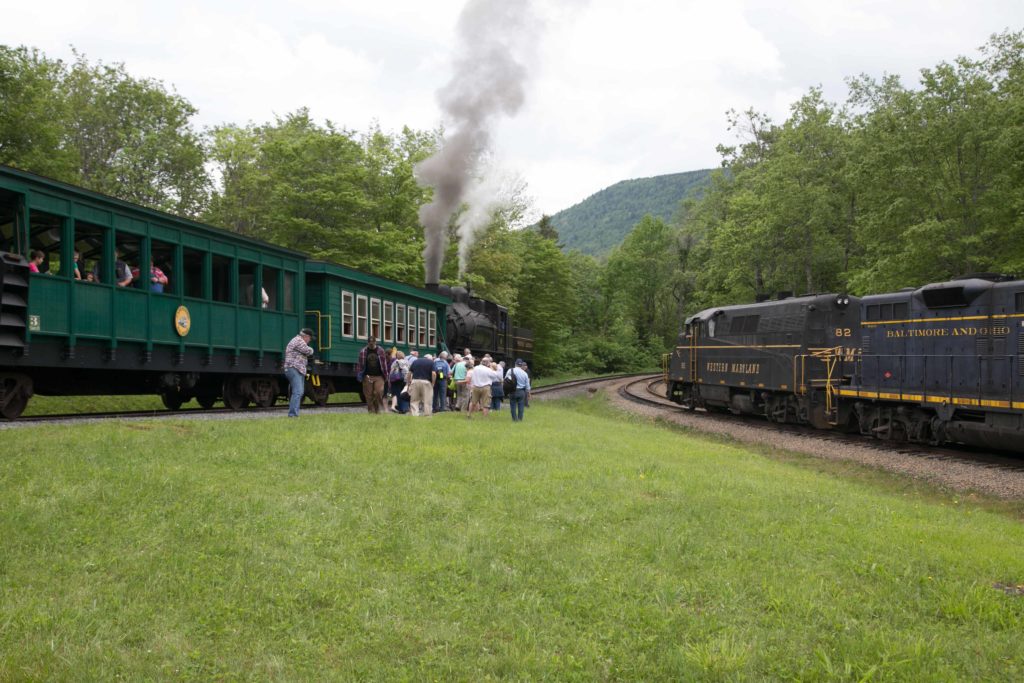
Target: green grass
76,405
577,545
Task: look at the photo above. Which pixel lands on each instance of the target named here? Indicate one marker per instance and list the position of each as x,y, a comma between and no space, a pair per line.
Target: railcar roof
762,306
121,204
349,273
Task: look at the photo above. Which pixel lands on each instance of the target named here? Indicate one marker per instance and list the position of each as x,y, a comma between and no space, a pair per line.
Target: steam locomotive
939,363
482,326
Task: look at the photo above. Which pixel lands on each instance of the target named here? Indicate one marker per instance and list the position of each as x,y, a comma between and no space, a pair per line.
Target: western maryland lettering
995,331
735,368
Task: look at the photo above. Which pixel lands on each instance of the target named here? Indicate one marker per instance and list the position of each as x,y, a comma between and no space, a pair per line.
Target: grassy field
77,405
577,545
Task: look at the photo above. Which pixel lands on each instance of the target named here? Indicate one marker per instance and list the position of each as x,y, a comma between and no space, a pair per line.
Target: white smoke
496,41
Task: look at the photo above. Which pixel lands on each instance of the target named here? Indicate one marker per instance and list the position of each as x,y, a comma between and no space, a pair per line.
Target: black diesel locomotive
941,363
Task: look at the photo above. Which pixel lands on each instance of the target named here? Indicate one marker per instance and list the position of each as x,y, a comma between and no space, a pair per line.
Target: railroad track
960,468
277,408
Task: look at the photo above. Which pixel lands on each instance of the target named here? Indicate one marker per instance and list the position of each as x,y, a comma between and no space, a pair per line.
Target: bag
451,384
509,385
396,373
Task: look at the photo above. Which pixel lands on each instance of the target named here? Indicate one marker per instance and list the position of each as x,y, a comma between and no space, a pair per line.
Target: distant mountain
601,221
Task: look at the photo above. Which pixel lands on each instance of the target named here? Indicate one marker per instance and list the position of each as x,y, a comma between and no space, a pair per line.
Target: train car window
347,314
221,279
288,293
946,297
412,326
88,246
432,326
247,285
736,325
750,324
361,317
194,263
900,311
45,233
1019,302
400,324
162,256
129,253
423,326
9,239
271,278
886,311
375,317
389,321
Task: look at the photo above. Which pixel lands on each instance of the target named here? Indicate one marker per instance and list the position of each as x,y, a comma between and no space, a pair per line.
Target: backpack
509,385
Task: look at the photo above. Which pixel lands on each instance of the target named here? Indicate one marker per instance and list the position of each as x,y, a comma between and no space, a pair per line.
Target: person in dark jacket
371,369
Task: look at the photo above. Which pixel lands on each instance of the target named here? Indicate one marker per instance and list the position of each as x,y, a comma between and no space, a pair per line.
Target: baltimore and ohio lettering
949,332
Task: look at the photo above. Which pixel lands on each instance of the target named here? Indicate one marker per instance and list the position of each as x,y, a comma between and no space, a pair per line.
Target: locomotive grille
981,346
865,343
1020,353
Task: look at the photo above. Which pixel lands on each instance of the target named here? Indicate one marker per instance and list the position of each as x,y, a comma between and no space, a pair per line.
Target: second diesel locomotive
940,363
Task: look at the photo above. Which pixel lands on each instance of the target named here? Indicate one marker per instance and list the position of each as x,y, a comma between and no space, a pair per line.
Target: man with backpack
441,383
518,381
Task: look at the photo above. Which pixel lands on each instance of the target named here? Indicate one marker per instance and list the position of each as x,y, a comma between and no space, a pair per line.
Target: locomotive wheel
206,400
15,406
171,400
234,397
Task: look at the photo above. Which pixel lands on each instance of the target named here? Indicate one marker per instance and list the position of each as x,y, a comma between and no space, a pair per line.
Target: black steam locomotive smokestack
432,287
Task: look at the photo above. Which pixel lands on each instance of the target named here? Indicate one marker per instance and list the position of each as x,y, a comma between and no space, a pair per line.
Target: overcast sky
619,89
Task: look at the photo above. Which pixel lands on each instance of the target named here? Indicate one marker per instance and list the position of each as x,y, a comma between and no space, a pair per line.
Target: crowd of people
422,385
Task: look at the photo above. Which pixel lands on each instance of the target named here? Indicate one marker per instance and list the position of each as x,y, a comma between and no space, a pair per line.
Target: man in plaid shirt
295,356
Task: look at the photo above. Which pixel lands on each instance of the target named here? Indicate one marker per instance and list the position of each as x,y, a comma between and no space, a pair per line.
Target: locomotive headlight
842,301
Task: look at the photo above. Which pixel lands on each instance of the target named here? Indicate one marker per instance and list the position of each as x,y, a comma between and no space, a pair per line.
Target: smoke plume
494,37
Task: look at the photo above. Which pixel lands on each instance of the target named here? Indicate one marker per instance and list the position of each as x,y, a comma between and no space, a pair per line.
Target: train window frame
389,321
432,329
271,283
95,236
348,314
375,328
222,279
400,324
410,337
192,288
362,316
289,291
49,239
422,326
247,280
162,252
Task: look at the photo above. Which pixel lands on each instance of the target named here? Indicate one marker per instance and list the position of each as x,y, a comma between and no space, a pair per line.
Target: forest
897,186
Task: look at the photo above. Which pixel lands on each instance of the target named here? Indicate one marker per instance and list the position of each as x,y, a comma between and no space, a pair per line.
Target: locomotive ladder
830,357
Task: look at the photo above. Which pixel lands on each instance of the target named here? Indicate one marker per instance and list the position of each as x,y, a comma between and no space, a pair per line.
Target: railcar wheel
206,400
14,407
234,397
171,400
318,395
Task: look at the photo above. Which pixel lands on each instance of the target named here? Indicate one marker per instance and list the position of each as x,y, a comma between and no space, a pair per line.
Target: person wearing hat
371,369
296,354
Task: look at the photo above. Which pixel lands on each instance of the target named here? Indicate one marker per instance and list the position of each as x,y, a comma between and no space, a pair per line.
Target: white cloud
619,89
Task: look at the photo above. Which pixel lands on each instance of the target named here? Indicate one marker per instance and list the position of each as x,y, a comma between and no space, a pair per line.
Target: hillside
600,222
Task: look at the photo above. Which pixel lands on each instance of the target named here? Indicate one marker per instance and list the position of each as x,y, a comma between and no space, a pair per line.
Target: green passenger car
345,306
213,325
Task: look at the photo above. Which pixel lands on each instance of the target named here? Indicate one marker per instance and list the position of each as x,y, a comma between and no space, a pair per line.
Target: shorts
481,397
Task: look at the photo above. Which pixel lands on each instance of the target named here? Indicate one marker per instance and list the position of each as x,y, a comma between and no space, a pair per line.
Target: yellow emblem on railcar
182,321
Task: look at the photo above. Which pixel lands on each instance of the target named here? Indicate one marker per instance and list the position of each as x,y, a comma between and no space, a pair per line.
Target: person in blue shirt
443,371
518,398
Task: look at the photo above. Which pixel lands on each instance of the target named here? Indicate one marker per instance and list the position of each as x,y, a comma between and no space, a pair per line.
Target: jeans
440,395
297,382
515,402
